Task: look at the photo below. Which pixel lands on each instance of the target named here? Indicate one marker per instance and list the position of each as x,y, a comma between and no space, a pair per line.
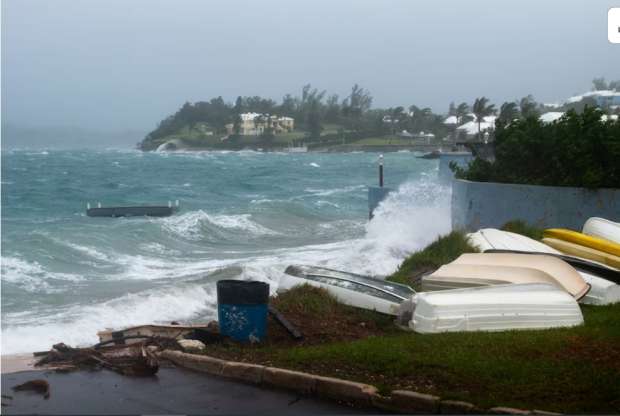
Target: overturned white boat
349,288
604,280
494,308
455,276
519,268
602,228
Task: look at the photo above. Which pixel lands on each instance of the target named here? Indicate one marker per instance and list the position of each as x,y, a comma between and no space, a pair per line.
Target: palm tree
461,111
528,107
481,109
396,117
508,112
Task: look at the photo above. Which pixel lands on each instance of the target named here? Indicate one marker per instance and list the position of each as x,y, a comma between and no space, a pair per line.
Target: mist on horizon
124,66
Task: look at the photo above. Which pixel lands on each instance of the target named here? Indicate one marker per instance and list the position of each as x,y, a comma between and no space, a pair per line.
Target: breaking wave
196,225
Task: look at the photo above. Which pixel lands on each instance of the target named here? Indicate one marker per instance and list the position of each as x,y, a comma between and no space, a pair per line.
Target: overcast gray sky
126,64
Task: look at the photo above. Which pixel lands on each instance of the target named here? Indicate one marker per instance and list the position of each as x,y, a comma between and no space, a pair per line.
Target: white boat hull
343,295
495,308
602,228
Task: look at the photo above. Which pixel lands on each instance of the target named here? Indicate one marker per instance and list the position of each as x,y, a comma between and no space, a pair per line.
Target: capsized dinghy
602,228
601,277
495,308
565,275
455,275
491,238
349,288
604,281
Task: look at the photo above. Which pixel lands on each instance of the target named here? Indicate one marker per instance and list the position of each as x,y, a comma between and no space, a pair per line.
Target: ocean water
243,215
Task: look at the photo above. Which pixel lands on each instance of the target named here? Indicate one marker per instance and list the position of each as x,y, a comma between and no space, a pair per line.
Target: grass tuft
442,251
521,227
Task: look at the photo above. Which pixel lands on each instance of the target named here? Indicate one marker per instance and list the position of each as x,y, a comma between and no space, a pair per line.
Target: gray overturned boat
133,211
350,288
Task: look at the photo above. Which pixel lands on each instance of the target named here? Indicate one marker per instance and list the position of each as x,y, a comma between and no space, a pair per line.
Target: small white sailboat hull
495,308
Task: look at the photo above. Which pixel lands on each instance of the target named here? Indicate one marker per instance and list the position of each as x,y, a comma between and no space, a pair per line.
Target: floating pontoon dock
133,211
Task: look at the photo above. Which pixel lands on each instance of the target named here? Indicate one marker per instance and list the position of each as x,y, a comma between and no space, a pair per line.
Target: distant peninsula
314,120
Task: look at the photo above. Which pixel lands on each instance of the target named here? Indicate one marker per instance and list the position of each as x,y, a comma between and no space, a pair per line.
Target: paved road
172,391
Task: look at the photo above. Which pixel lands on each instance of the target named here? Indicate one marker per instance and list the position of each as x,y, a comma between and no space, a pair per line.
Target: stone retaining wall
358,394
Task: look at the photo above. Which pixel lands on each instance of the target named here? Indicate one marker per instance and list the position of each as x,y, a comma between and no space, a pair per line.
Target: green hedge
578,150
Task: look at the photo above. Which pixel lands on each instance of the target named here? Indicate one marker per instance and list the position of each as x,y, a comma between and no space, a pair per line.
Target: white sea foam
89,251
31,276
137,267
328,192
315,165
78,325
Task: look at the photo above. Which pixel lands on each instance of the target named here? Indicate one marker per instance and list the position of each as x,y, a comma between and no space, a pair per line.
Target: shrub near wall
578,150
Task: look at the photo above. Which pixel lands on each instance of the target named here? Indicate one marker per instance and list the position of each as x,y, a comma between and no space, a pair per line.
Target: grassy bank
571,370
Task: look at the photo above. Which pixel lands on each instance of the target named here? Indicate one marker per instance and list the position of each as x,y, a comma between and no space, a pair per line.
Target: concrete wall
478,205
461,159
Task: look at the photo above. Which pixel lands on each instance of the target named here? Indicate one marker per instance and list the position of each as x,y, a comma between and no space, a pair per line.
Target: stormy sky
126,64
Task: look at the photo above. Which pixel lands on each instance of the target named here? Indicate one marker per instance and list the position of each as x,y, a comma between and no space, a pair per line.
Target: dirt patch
605,354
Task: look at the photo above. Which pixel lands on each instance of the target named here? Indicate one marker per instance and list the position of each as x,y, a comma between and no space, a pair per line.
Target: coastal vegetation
578,149
329,121
319,118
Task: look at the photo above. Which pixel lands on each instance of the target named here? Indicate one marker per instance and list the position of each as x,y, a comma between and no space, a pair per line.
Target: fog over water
118,65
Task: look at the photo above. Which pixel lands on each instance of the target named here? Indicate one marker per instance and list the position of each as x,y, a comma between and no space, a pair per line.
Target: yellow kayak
590,241
582,251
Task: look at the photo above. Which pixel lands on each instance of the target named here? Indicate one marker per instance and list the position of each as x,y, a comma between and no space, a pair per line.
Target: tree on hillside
461,111
508,112
481,109
529,107
599,84
237,110
332,112
288,106
397,117
355,105
313,120
452,109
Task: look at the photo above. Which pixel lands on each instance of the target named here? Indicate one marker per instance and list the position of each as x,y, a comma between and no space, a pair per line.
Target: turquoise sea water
243,215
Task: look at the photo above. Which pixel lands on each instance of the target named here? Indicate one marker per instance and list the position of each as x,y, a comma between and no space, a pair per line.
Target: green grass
317,302
520,227
565,370
572,370
442,251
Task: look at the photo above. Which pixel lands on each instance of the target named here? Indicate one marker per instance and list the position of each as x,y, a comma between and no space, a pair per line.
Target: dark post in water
381,171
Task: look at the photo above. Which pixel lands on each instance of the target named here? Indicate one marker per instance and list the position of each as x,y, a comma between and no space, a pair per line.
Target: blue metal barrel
242,309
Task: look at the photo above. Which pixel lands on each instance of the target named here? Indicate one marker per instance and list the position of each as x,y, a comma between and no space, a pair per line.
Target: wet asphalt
171,391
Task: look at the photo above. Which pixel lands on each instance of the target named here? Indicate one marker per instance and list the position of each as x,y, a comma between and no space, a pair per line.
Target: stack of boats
515,282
